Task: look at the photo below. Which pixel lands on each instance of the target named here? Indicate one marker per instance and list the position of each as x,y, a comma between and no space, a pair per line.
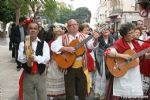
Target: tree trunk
17,15
4,33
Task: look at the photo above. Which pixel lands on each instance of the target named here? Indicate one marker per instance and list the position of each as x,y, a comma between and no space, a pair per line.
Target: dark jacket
16,31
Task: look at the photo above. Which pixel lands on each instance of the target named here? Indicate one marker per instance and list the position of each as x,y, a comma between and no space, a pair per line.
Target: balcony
115,10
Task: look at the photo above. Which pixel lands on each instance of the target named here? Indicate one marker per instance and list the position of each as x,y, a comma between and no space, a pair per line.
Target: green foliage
7,13
63,13
22,4
50,9
25,9
81,14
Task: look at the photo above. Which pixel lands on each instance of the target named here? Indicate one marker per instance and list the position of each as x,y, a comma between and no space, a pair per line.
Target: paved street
8,75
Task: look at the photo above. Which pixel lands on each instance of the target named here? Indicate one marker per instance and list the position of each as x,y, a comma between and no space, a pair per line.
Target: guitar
66,59
119,66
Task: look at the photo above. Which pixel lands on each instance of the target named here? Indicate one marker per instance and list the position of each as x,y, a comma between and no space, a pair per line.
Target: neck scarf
121,45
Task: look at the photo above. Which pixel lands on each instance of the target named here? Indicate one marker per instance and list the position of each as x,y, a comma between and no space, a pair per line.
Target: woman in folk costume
144,63
102,74
85,29
128,86
145,70
75,78
55,77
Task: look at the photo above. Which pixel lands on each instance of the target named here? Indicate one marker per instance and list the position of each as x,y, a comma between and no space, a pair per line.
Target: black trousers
75,84
13,51
16,54
10,45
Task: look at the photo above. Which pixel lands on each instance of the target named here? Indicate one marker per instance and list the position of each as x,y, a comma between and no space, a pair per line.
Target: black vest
39,51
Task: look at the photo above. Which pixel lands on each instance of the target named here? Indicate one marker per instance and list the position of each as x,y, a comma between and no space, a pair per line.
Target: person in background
12,37
140,24
85,29
144,41
42,32
137,32
75,78
63,29
34,77
49,35
116,35
129,86
143,36
55,84
145,70
19,33
102,74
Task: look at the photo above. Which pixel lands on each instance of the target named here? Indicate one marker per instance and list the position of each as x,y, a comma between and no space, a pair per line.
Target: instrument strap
142,40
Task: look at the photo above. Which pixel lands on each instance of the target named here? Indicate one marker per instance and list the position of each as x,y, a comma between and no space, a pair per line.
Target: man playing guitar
75,79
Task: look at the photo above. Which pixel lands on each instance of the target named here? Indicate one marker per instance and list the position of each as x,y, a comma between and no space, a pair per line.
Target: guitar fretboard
84,41
89,37
140,53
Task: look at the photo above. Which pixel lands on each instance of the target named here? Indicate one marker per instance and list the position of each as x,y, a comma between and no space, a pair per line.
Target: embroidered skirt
109,93
55,80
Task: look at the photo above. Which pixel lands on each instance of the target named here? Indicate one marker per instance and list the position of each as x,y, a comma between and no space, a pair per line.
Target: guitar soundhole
128,60
64,56
117,68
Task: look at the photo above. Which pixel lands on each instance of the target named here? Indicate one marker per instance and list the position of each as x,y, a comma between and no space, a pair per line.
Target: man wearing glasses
75,78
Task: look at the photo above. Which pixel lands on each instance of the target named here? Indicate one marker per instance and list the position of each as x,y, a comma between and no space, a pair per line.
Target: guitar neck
83,42
140,53
90,37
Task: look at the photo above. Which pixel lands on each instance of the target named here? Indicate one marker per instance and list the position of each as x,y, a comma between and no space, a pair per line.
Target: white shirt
39,59
57,44
143,37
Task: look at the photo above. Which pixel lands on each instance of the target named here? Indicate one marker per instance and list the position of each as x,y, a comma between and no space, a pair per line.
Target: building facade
116,12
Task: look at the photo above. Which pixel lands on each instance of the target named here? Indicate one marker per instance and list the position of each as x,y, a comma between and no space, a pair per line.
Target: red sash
34,68
90,62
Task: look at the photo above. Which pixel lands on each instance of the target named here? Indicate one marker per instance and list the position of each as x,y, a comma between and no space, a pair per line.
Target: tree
63,13
35,6
7,13
50,9
81,14
18,5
